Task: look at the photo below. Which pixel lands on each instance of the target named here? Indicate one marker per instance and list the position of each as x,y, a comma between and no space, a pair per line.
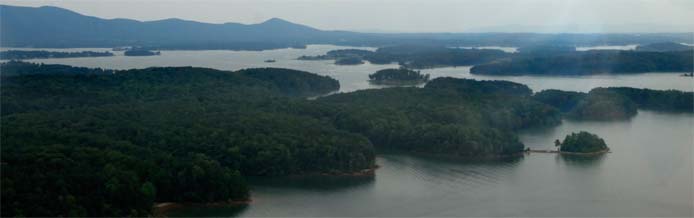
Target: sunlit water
648,173
607,47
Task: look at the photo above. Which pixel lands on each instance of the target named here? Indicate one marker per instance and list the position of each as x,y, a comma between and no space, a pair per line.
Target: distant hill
56,27
53,27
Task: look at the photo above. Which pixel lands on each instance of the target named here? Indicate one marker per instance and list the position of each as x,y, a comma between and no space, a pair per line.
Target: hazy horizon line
479,30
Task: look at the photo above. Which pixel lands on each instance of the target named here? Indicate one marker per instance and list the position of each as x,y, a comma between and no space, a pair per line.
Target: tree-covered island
401,76
583,143
141,52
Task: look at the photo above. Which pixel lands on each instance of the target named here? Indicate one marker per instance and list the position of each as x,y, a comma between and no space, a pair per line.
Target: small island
270,61
349,61
141,52
582,143
22,55
402,76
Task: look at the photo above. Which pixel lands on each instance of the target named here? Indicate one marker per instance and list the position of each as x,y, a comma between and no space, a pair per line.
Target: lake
649,172
354,77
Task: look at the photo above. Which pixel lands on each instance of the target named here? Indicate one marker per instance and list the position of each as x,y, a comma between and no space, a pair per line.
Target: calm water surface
355,77
649,172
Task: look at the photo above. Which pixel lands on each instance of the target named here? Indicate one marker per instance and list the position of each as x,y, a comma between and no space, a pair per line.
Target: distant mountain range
57,27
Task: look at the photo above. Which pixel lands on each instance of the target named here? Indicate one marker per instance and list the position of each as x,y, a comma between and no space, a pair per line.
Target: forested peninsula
111,143
530,60
589,63
22,54
616,103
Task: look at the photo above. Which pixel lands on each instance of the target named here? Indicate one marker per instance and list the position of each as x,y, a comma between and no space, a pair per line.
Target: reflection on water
648,173
581,161
313,182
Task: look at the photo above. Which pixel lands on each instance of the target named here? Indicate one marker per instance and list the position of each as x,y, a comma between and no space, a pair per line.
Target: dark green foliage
473,87
18,54
589,62
111,145
349,61
294,82
602,104
341,56
400,76
18,68
82,88
669,100
141,52
349,52
411,56
583,142
562,100
441,121
616,103
415,56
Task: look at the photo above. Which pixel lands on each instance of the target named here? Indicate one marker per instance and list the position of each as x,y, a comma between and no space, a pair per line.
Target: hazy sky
409,15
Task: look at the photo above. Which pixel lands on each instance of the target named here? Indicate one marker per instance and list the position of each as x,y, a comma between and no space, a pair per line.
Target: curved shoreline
164,208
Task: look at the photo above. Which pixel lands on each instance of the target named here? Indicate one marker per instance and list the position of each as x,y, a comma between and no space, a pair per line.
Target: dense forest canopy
616,102
416,56
140,52
602,104
583,142
189,134
20,54
539,59
588,63
20,68
110,143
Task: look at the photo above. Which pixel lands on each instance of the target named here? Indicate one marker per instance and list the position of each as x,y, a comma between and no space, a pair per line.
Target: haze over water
354,77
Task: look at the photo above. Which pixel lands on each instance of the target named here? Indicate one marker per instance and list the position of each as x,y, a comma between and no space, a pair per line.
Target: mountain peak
275,20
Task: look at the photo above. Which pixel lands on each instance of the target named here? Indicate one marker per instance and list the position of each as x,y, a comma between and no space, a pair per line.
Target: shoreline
162,209
604,151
